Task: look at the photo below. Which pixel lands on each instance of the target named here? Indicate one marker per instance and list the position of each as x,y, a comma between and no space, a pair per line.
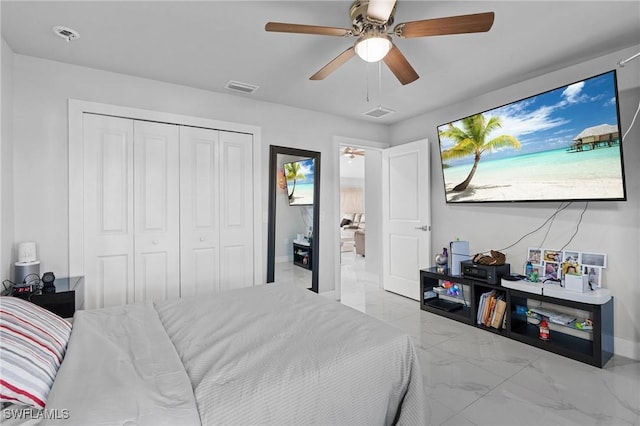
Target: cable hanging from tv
622,63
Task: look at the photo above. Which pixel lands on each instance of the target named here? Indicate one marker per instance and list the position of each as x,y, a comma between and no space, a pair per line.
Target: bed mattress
270,354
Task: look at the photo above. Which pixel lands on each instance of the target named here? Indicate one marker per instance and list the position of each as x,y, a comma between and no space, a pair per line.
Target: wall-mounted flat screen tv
300,185
561,145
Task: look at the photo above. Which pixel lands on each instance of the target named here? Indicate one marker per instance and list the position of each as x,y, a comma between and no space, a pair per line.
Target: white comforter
271,354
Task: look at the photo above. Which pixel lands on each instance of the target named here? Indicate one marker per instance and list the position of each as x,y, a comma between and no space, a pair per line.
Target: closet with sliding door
167,210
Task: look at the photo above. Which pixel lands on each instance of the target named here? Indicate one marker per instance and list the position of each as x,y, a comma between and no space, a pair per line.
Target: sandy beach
550,175
303,194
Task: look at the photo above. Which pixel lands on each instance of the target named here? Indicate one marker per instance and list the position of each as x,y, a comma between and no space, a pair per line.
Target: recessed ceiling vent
241,87
378,112
66,33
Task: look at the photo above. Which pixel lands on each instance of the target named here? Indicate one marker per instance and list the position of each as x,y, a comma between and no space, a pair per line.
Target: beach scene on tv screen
559,145
299,176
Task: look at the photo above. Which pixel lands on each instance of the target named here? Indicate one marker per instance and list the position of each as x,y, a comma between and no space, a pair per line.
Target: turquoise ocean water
303,193
602,163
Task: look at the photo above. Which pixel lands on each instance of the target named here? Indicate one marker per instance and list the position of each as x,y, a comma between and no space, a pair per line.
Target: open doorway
359,205
352,202
372,200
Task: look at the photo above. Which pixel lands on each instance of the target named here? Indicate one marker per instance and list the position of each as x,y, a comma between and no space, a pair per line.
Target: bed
270,354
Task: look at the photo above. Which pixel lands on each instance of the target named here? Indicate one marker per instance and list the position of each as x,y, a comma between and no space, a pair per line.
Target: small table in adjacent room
67,297
302,255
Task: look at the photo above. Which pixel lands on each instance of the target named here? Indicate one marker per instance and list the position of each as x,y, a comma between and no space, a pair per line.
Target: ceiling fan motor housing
361,22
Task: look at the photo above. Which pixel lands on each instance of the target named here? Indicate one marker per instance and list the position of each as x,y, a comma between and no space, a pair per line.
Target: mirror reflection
294,191
294,220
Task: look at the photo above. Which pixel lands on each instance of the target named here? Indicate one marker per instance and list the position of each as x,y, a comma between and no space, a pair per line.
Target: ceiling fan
351,152
371,20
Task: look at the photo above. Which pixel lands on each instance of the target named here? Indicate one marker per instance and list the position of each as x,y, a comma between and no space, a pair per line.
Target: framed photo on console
594,259
571,256
595,276
534,256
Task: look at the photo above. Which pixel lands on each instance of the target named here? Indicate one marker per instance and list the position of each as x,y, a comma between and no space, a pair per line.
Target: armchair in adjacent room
359,240
350,223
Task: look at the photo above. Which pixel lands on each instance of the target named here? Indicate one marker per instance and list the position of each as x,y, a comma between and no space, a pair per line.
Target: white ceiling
351,168
204,44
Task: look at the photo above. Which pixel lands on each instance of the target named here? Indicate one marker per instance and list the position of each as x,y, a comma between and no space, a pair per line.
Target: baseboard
626,348
331,294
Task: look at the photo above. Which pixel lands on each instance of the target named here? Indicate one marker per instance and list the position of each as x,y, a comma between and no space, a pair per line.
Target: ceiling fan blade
380,10
334,64
400,67
474,23
281,27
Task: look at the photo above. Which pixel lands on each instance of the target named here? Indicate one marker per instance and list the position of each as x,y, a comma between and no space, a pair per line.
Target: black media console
524,304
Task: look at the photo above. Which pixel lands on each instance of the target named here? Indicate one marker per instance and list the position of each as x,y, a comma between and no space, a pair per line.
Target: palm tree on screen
292,172
470,139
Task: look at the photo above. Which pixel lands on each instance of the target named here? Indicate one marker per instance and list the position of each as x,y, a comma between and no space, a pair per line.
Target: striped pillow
33,342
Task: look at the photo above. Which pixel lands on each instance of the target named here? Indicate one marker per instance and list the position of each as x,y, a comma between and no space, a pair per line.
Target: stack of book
491,309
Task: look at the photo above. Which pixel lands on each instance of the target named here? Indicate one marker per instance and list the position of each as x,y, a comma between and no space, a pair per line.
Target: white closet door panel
234,263
236,210
199,211
204,277
108,210
113,280
157,211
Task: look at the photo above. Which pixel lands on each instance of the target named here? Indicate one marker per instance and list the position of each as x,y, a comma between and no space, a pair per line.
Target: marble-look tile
513,404
437,412
492,352
458,420
434,331
610,395
453,381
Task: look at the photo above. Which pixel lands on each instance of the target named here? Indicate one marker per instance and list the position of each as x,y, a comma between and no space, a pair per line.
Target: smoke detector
66,33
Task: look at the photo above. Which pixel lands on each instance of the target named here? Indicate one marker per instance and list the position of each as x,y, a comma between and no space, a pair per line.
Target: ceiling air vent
378,112
241,87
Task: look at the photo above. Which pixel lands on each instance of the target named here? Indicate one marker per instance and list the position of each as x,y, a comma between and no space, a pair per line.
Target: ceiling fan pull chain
367,78
380,82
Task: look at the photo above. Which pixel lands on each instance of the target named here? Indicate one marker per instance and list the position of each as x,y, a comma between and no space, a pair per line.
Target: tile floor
472,377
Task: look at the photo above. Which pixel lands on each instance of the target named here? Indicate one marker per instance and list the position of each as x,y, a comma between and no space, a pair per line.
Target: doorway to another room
352,211
353,225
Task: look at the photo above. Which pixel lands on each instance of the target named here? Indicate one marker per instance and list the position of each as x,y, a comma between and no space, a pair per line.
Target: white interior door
156,211
236,210
199,211
108,211
406,227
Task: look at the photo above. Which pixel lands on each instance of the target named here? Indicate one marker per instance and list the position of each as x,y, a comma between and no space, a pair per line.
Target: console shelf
593,347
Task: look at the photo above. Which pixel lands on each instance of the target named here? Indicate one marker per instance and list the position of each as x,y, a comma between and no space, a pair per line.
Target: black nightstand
63,301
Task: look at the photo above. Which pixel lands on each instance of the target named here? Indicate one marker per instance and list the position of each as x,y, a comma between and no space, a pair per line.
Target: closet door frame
76,111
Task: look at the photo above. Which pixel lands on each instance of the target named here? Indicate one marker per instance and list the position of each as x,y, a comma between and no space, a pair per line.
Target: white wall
6,165
607,227
41,91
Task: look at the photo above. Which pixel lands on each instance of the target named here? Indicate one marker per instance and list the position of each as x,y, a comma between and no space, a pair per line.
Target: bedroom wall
607,227
6,164
41,91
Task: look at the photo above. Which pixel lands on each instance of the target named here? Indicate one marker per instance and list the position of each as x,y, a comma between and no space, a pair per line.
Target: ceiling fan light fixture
373,46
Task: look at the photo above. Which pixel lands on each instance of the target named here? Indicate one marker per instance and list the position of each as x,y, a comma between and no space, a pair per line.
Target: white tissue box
577,283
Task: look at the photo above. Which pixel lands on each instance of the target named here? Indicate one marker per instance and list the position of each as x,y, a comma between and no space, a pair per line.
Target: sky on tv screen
551,120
